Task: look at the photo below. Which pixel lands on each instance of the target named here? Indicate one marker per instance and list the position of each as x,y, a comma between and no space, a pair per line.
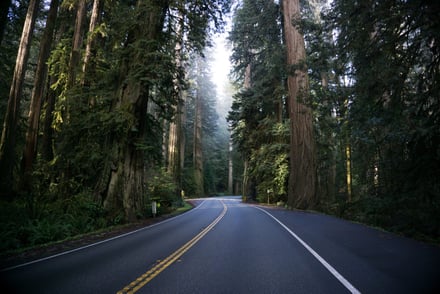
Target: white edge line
100,242
331,269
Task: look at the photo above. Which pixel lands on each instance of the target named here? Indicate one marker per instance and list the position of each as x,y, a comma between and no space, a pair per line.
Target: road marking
331,269
145,278
101,242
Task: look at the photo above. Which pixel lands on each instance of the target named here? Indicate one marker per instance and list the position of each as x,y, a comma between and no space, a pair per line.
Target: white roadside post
154,208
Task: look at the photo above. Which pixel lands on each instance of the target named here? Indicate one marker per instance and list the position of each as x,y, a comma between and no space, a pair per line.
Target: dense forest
108,105
339,108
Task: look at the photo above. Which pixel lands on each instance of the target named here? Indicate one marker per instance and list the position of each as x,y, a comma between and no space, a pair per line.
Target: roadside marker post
154,208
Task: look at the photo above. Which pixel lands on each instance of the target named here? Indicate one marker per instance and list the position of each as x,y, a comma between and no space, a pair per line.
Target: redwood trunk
197,153
302,178
75,55
230,168
47,139
247,181
8,139
89,64
30,149
176,125
125,190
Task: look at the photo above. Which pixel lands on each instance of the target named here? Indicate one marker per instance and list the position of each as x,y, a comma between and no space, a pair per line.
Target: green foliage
92,120
188,185
271,172
201,19
8,51
381,100
269,164
256,35
216,162
374,84
162,189
258,114
48,221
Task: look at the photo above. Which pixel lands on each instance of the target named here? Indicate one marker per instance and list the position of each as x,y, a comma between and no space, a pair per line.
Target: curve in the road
137,284
99,242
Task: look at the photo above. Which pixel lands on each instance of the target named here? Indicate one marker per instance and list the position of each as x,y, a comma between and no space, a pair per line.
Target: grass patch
186,206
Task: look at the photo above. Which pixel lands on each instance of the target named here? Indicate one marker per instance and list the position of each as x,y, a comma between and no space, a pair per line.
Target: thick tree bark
9,133
197,151
125,191
302,178
30,149
174,148
247,181
176,125
77,42
174,153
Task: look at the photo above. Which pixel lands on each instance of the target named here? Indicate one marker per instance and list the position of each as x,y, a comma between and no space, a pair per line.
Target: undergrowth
24,227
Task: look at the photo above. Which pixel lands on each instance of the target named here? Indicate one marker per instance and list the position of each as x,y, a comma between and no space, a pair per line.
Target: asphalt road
224,246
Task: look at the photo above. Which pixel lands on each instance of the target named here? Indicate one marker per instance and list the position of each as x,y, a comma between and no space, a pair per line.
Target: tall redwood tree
9,133
302,178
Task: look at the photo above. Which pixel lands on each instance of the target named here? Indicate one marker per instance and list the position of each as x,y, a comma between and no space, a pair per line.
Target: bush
163,190
24,225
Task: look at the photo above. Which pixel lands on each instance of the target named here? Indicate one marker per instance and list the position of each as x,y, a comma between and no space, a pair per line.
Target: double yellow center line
137,284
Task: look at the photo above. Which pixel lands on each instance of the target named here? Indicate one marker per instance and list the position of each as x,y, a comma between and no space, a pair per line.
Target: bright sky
221,65
220,71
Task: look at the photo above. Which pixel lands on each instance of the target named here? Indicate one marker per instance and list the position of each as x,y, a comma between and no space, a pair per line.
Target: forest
108,105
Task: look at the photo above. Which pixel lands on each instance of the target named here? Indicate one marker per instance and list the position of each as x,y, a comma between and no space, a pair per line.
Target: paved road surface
224,246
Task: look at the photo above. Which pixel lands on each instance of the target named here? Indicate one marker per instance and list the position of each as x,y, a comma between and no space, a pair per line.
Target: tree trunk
9,133
230,168
302,178
246,187
348,171
173,148
182,132
176,125
30,149
88,64
125,191
197,152
75,54
47,140
47,151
